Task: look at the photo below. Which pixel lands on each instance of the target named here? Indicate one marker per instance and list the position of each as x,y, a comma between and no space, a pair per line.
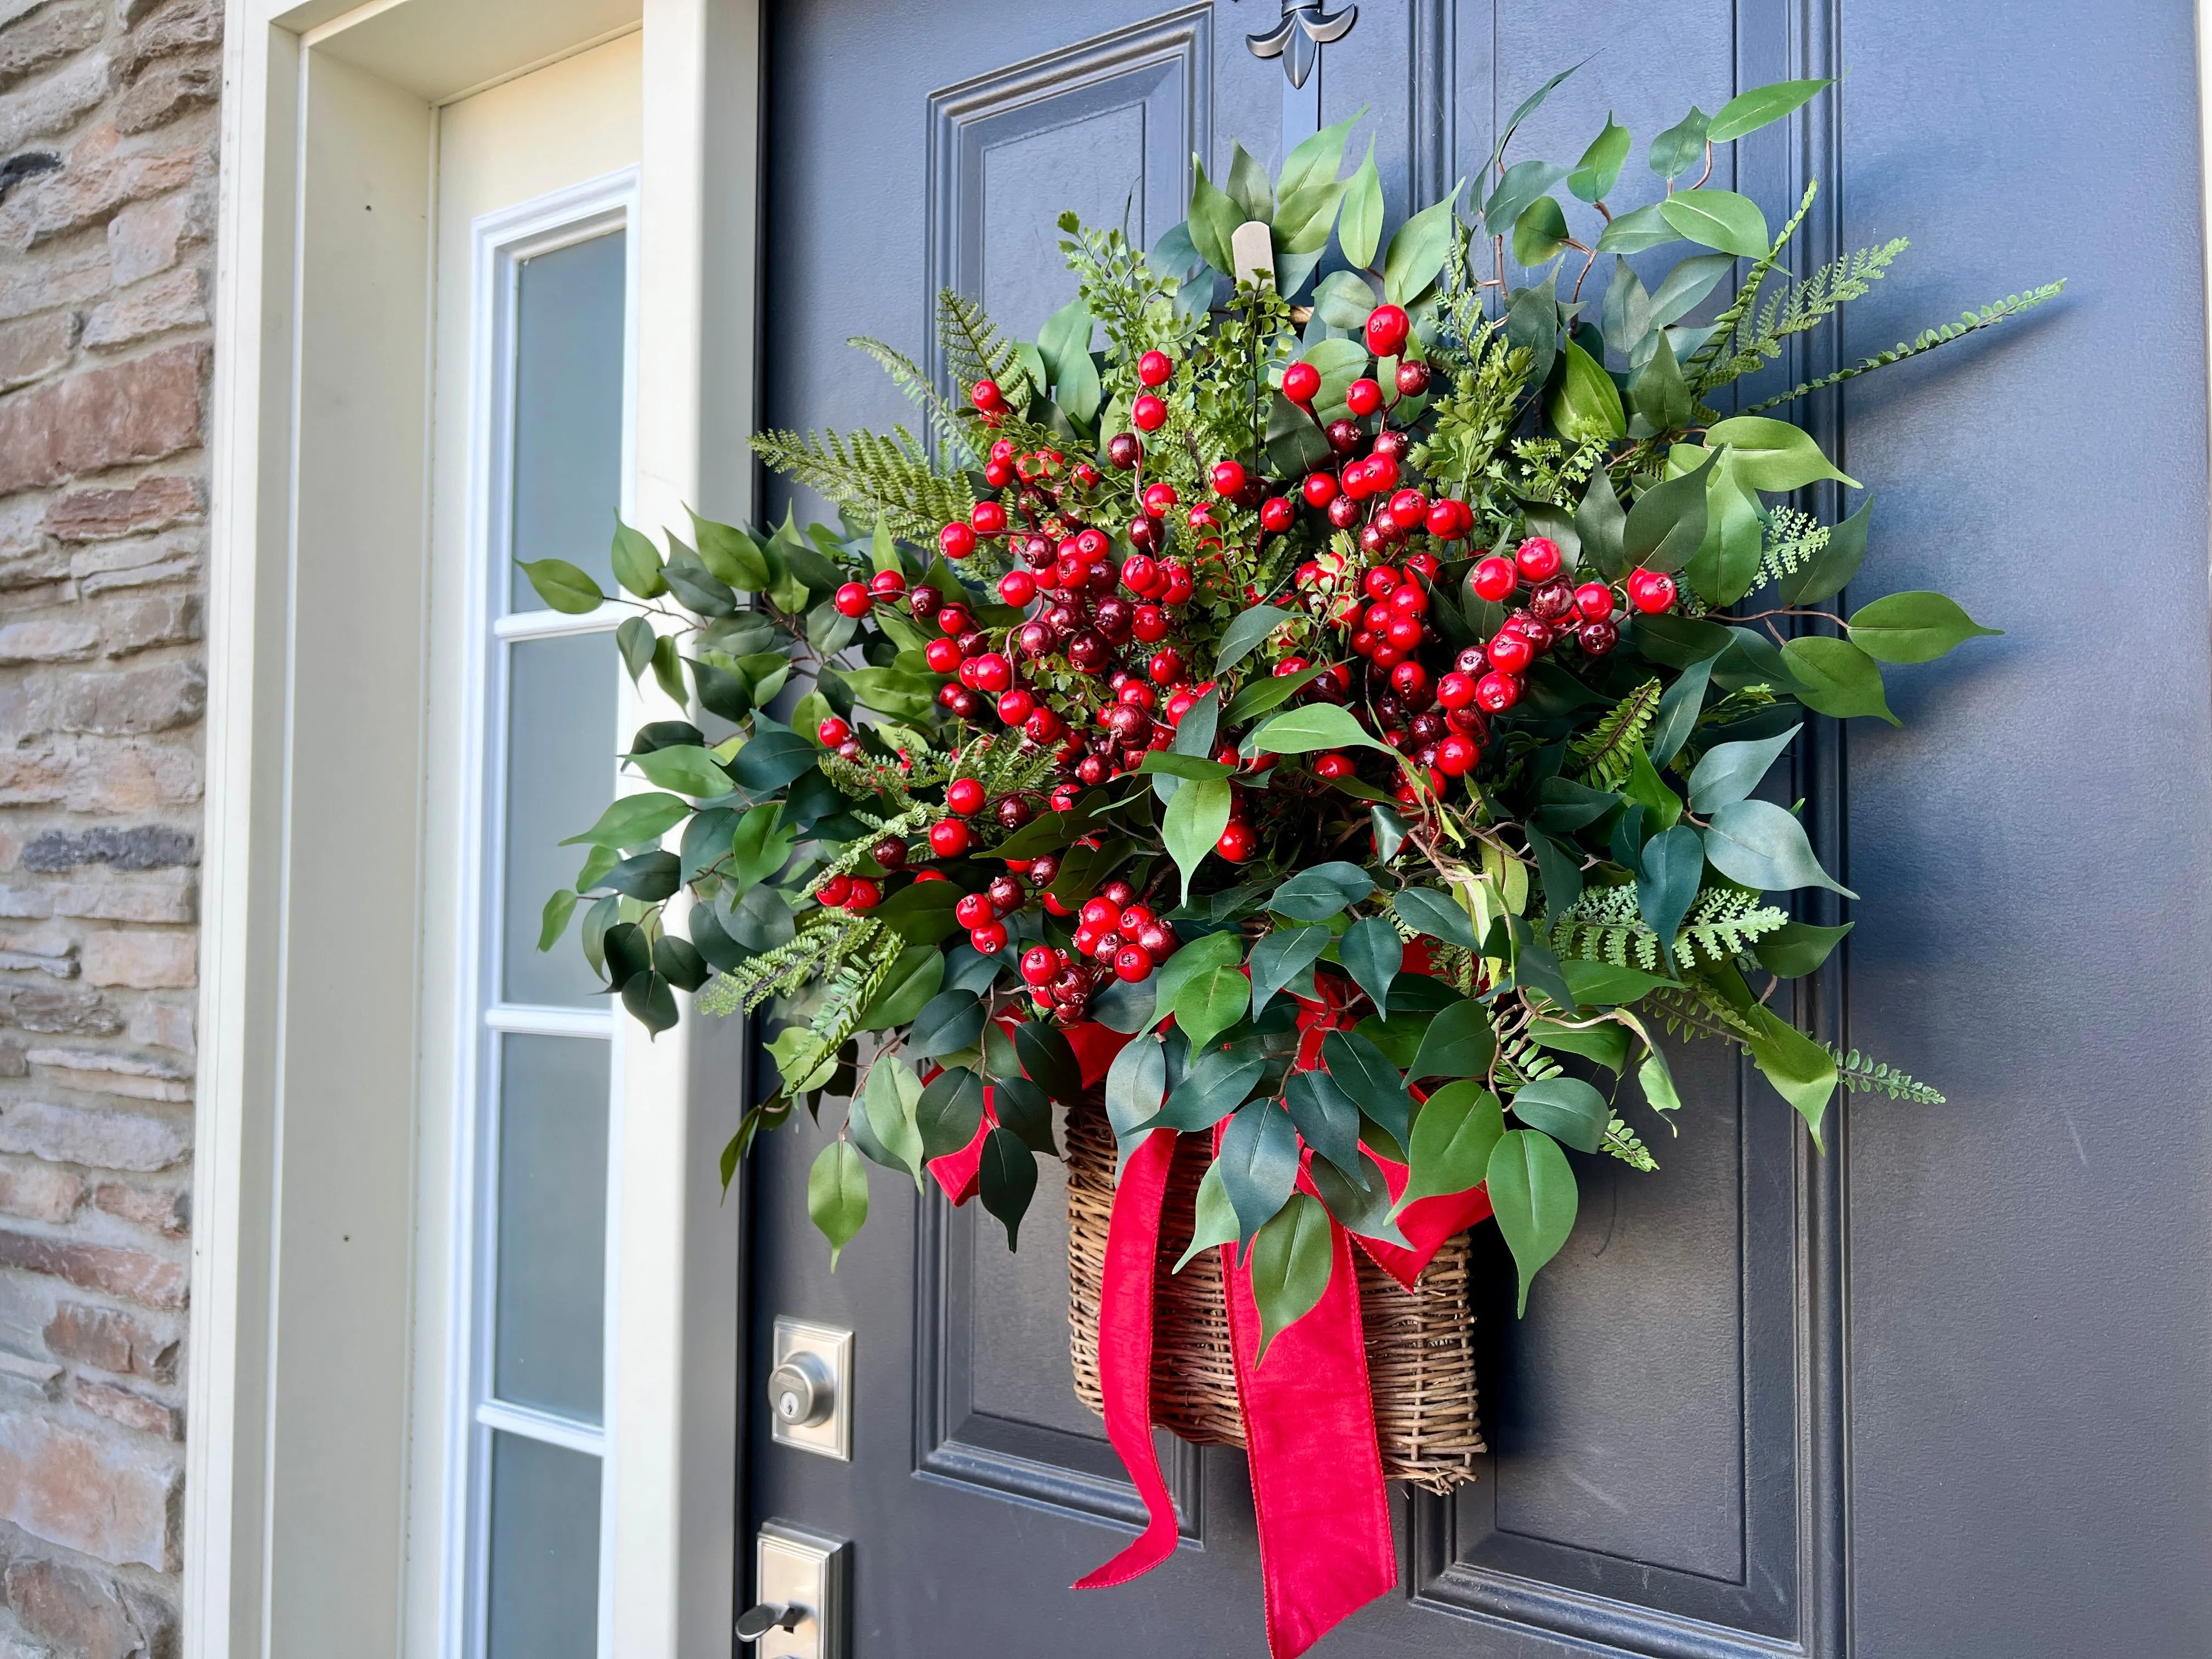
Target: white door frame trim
298,1462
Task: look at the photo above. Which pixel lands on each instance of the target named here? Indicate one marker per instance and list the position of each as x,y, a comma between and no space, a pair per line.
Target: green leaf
1320,892
1772,455
1202,955
730,554
1292,1258
1008,1176
1726,565
1528,106
1217,1084
697,588
1213,218
1558,867
1372,953
1802,1071
1365,1073
837,1196
1532,1192
1317,157
1360,226
890,1103
1454,1140
1242,634
775,755
677,961
1797,948
1730,771
948,1023
1659,393
1835,677
1048,1061
1657,1083
634,821
1633,232
1194,821
1586,408
1825,574
1567,1109
914,980
1667,886
1667,522
686,768
1437,914
1522,183
1342,300
1278,959
637,562
897,692
563,586
1064,336
1689,282
1418,249
1599,170
1459,1043
1319,725
922,912
1748,112
1599,521
1259,1163
1325,1117
668,668
1021,1106
1607,984
636,640
950,1111
1215,1219
1677,716
1208,1002
1674,150
1249,186
1718,218
1539,233
1120,1005
1913,627
1389,828
1167,763
554,922
1757,844
1305,219
1136,1083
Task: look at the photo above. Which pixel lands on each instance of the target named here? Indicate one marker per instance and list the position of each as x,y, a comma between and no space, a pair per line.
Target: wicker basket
1420,1354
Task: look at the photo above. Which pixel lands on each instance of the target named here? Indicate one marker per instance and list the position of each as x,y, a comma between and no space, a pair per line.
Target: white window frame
500,242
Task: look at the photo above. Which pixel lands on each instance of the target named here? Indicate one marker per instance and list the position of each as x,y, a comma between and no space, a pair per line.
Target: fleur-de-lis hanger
1298,39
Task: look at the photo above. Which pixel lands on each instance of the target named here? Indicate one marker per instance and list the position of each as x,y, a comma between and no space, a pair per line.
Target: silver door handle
758,1621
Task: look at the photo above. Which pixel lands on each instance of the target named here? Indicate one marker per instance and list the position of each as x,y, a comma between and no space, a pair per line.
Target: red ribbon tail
1324,1519
1125,1353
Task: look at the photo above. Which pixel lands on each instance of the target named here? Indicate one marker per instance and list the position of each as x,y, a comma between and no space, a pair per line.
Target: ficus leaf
1748,112
1599,170
1193,823
1008,1176
1318,893
1718,218
1280,957
837,1196
637,562
1437,914
1292,1258
1458,1044
1259,1161
1565,1108
1210,1001
1371,952
564,587
634,821
1760,845
1454,1138
1215,1221
1730,771
1836,676
1532,1194
1325,1115
1913,627
890,1102
950,1111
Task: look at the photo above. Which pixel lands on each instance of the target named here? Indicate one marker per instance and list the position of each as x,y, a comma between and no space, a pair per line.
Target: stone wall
107,149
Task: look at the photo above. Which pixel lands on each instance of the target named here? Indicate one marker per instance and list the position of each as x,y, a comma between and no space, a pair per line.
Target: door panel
1668,1424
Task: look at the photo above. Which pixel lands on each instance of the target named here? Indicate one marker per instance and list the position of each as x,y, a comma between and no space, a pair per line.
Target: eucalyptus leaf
1322,891
1249,628
1913,627
1836,676
1730,771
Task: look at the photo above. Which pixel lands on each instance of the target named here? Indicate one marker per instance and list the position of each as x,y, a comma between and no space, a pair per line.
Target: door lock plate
803,1572
810,1389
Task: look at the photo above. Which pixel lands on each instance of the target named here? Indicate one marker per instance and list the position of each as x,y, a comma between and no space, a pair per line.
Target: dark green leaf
922,912
651,876
1913,627
948,1023
1565,1108
1730,771
730,554
1317,894
1607,985
1360,226
1689,282
889,1105
773,757
650,1001
1760,845
1389,831
1718,218
1008,1176
1437,914
1263,695
635,640
1136,1083
1797,948
1599,521
1459,1043
1825,574
950,1111
1599,168
1659,393
760,921
1678,641
1023,1107
1280,957
896,691
1216,1085
1371,952
1459,1128
1246,631
1532,1192
1325,1117
1293,1259
1213,219
698,588
563,586
1048,1061
1359,1202
1677,715
1667,522
1667,886
1214,1219
1587,406
914,980
1193,767
676,961
1365,1073
1748,112
1259,1161
1122,1007
633,820
1835,677
1559,867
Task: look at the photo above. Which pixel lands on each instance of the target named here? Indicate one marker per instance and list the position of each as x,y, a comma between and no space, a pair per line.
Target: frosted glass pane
559,777
548,1343
544,1589
568,408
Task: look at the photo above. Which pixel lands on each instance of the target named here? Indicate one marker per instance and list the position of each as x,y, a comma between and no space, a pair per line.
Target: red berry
1165,667
1301,383
886,584
1016,707
956,541
986,396
1134,919
944,655
1158,941
1495,579
992,673
852,600
1124,451
1380,582
1228,478
1344,511
1456,689
833,732
1154,367
1496,693
1291,666
973,910
1131,964
1140,575
1149,624
1510,653
1159,498
1043,726
1319,489
988,517
949,838
1457,755
1407,634
1650,591
1018,587
1593,600
1538,559
1412,378
1039,964
954,620
1099,914
1148,413
988,940
1409,679
1387,328
1596,638
1410,508
835,891
921,876
864,895
1362,396
1276,515
1237,842
1409,601
965,796
1334,766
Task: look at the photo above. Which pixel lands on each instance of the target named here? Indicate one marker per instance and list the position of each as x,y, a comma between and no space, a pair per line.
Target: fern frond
1621,1141
1793,539
1606,925
939,417
1522,1060
1863,1075
976,350
1607,752
1701,371
1803,304
1693,1011
1723,924
1970,322
825,938
1473,419
871,477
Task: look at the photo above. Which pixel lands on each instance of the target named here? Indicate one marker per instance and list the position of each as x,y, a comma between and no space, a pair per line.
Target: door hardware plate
833,1348
798,1567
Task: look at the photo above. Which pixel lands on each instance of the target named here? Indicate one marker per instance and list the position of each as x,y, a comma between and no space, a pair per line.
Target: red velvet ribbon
1317,1489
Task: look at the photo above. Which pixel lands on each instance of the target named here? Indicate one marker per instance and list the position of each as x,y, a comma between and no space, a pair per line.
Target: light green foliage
1970,322
1793,540
1863,1075
1604,925
871,476
1621,1141
1608,753
1758,335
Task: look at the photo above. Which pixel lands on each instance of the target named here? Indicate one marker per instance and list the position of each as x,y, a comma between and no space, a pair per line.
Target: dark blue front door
1944,1393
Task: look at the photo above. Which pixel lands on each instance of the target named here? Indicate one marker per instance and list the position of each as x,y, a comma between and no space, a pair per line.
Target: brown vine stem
1707,173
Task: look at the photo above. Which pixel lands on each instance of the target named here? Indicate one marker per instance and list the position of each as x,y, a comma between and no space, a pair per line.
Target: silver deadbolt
810,1389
